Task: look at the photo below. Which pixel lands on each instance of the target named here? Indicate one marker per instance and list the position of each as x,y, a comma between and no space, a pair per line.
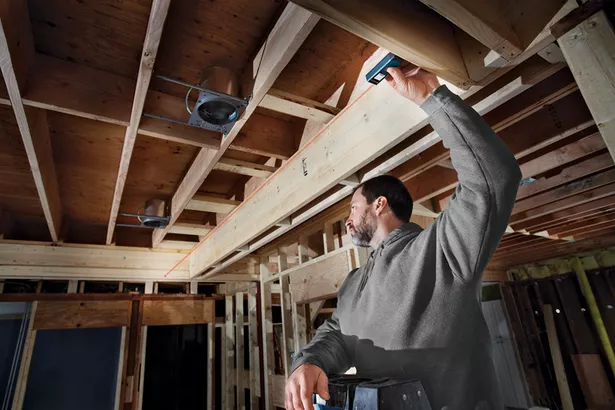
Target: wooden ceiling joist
16,52
205,203
291,29
280,101
183,228
496,24
170,244
157,17
244,168
102,96
568,174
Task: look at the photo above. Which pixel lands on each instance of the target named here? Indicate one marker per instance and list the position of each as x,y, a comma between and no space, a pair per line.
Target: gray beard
363,234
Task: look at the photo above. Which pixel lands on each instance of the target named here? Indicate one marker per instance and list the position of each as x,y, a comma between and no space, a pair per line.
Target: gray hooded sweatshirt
413,311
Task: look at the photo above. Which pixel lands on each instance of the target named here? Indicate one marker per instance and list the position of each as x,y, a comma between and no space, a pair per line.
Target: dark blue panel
9,334
73,370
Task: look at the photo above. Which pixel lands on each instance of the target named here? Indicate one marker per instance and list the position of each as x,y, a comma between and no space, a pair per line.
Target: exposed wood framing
254,349
239,351
211,356
280,101
107,97
96,262
205,203
287,329
153,35
75,314
589,50
556,356
285,38
408,29
320,278
16,51
497,24
190,229
178,312
244,168
267,327
229,367
142,367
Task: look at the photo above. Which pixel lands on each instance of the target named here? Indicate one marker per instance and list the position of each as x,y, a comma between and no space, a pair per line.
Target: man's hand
304,381
412,82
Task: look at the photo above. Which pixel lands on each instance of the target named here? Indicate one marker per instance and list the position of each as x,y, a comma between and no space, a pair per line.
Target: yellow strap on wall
577,266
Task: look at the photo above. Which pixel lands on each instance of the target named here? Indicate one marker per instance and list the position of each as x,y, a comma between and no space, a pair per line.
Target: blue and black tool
352,392
379,73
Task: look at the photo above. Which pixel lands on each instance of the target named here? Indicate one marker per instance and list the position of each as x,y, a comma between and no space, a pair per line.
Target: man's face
361,223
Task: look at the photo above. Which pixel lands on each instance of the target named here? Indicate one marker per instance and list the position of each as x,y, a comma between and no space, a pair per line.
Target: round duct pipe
153,215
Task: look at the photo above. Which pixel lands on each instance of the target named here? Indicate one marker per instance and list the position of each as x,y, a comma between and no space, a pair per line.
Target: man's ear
380,204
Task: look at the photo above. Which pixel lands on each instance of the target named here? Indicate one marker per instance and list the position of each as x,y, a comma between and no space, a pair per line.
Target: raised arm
470,229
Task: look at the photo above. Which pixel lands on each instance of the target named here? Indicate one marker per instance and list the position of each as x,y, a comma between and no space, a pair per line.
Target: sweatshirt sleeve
327,349
477,215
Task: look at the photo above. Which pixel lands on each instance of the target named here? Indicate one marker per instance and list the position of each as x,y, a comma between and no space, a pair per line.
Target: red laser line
268,181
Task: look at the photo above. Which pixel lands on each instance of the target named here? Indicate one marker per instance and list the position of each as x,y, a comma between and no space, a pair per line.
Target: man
413,311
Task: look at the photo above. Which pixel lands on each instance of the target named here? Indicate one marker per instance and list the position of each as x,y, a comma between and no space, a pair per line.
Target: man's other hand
304,381
412,82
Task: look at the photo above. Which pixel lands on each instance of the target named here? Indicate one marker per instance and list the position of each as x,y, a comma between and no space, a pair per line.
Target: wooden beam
244,168
206,203
569,174
157,17
182,245
320,278
568,202
408,29
289,32
254,349
239,351
542,222
562,156
589,50
190,229
96,262
486,21
501,26
287,103
565,191
556,356
32,124
287,326
229,349
268,339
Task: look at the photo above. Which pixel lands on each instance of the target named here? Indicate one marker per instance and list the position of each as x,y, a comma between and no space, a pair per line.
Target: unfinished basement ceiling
87,57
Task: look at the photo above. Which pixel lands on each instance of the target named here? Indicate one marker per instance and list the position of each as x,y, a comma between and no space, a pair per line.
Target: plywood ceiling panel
156,169
205,33
103,34
18,192
87,155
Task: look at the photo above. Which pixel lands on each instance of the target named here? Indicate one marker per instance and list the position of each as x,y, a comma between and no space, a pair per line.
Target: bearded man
413,311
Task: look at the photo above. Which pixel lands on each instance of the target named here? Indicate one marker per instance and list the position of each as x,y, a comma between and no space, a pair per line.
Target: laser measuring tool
379,72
